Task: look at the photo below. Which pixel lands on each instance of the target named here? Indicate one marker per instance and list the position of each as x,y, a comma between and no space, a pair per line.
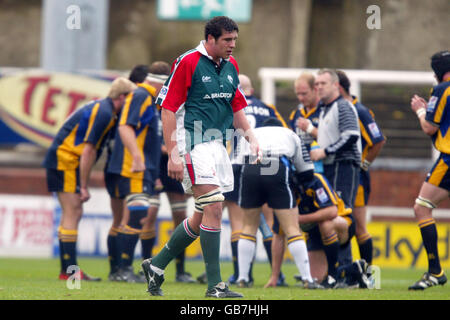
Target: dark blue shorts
234,195
344,178
120,187
363,193
169,184
63,180
439,175
266,183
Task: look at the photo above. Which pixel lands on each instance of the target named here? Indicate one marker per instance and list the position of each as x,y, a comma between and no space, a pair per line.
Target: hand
84,194
175,169
271,283
418,103
158,185
255,151
138,165
317,154
303,123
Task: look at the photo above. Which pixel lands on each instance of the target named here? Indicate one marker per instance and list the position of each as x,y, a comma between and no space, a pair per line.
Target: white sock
246,251
300,254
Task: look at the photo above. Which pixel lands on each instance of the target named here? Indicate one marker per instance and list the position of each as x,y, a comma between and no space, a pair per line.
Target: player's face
224,45
326,88
305,94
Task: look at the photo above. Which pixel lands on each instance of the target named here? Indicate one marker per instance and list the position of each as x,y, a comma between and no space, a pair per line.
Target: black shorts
120,187
266,183
169,184
63,180
234,195
344,178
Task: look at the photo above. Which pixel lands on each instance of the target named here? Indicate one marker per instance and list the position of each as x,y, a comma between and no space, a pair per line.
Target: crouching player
329,226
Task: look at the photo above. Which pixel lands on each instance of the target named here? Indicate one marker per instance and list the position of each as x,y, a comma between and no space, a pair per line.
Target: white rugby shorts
208,163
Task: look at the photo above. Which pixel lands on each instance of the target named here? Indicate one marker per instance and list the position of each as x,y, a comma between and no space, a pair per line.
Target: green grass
36,279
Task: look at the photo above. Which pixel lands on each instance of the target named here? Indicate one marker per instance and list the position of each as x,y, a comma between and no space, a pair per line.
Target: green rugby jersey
203,96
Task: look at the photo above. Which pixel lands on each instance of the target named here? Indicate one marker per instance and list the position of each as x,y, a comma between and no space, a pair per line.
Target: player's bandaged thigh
208,198
178,206
425,203
154,201
137,204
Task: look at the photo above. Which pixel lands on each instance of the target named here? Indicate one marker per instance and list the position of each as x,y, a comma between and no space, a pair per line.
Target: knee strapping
425,203
178,206
137,200
154,201
208,198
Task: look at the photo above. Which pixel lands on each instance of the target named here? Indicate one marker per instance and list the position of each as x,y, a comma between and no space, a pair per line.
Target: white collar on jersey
201,48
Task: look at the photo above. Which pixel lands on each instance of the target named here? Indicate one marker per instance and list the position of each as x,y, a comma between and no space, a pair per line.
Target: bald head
246,84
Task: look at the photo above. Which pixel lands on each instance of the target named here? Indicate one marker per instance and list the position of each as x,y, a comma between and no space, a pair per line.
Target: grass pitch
36,279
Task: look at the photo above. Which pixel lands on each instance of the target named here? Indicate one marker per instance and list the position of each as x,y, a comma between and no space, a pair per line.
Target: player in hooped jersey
200,102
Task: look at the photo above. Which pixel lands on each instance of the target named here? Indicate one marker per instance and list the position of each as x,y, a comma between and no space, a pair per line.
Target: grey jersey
338,132
275,142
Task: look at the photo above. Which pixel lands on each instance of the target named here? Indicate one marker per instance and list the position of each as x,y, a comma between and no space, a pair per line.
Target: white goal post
269,77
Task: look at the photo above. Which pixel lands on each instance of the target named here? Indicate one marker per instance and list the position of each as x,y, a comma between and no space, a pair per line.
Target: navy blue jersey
139,112
319,194
257,112
370,132
301,112
438,113
91,123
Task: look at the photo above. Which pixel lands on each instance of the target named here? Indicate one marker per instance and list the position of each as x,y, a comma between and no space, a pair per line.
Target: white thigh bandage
154,201
425,203
178,206
138,199
208,198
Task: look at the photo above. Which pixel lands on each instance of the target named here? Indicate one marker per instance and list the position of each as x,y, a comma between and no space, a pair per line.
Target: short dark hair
159,67
344,81
440,63
139,73
217,25
272,122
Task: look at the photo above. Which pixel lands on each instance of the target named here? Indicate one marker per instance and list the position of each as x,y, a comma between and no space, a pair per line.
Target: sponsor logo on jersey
206,79
257,110
322,195
230,78
432,103
216,95
374,130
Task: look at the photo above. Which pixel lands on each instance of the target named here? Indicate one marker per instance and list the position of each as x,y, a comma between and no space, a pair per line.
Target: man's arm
419,106
128,138
240,122
324,214
87,161
307,126
277,259
174,166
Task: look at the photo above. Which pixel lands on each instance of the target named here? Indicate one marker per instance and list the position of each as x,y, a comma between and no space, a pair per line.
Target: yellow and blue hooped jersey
438,113
300,112
370,132
139,112
319,194
91,124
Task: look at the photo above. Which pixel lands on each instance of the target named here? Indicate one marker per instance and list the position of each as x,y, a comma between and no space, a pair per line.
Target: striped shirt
338,132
